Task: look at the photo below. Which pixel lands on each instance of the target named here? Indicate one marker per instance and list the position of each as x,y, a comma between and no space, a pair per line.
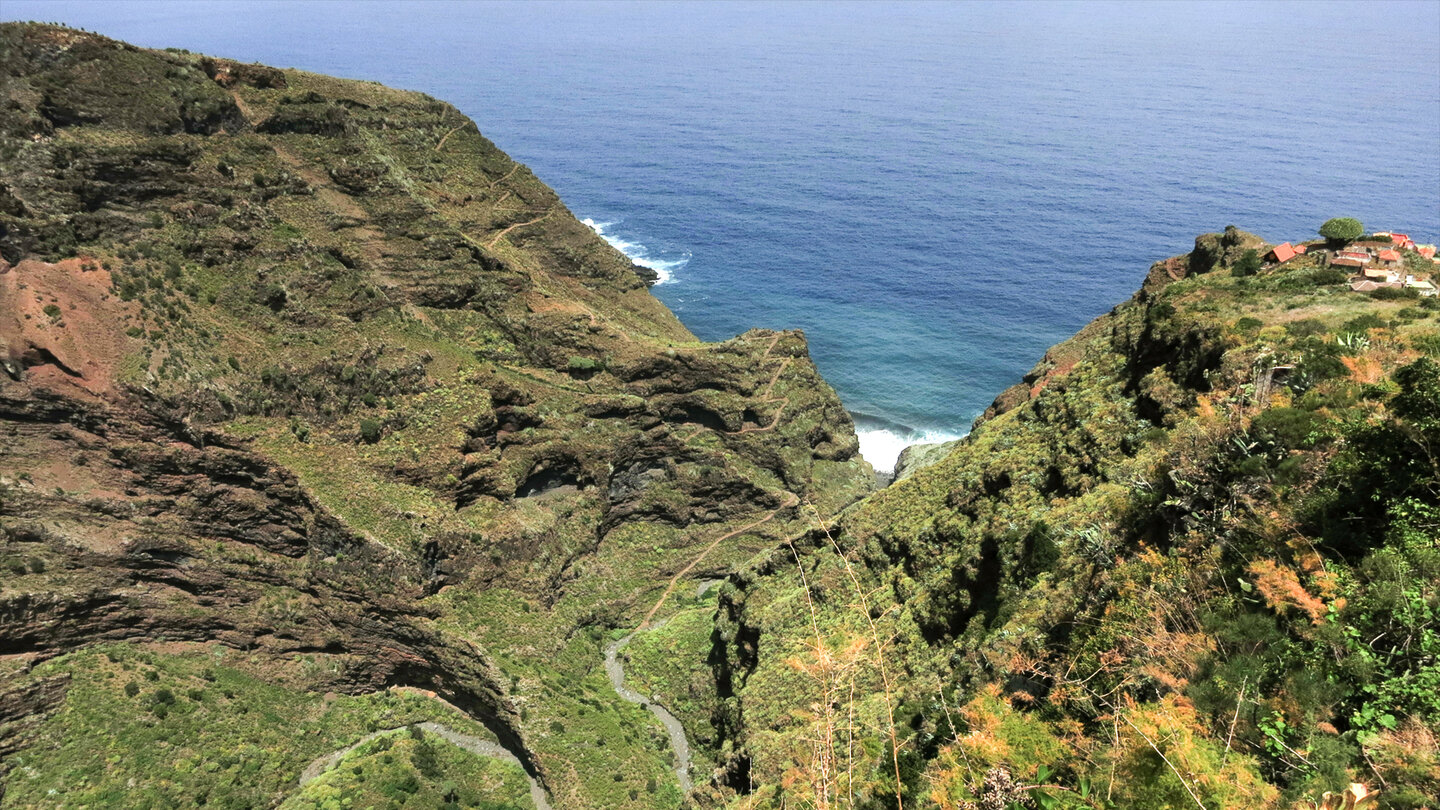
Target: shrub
1394,293
1363,323
1288,427
424,758
1248,265
1342,229
52,311
582,367
370,430
274,296
132,689
1328,275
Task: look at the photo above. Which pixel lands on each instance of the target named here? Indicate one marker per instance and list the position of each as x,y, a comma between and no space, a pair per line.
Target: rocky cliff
307,379
322,419
1190,560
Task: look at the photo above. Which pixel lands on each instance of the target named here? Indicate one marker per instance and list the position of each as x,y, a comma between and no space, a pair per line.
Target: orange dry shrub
1162,758
1364,369
997,734
1407,761
1282,590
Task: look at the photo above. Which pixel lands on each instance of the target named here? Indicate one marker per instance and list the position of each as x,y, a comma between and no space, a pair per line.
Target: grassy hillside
309,369
334,452
1193,561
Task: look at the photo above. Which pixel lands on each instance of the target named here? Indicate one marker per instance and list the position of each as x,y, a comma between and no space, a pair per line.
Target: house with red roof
1390,257
1281,253
1428,251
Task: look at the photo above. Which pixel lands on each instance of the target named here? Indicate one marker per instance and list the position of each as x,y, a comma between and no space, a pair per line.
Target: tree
1341,229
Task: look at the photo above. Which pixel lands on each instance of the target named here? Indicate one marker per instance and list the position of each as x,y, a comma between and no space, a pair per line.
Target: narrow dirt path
441,144
501,235
475,745
679,743
497,181
790,500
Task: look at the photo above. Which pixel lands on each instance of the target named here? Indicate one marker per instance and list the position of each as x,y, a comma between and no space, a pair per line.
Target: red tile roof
1301,248
1346,263
1283,253
1389,256
1428,251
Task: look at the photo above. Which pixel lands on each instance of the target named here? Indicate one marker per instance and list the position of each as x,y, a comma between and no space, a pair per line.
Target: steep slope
310,389
1193,560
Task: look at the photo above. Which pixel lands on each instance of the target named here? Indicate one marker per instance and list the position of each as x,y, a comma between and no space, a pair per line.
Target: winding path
679,743
475,745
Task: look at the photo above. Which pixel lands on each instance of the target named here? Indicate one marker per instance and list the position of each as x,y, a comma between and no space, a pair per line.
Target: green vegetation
408,770
1177,571
209,726
1249,263
368,408
371,397
1339,230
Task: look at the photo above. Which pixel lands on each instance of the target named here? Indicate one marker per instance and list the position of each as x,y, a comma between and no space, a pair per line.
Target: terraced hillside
313,394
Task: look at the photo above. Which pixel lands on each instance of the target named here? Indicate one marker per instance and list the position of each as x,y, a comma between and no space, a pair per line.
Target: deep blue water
935,193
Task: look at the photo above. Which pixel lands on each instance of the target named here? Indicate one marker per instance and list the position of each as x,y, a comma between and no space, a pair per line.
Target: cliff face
321,417
1191,560
308,370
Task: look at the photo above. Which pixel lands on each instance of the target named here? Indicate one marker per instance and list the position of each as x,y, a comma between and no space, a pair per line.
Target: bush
1394,294
425,759
370,430
1290,428
1248,265
132,689
582,367
1328,275
1364,323
1342,229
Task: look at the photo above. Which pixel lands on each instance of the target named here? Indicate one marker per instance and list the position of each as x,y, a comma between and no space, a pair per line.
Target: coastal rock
917,457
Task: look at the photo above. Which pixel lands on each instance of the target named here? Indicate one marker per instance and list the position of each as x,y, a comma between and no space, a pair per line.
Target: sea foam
638,253
881,446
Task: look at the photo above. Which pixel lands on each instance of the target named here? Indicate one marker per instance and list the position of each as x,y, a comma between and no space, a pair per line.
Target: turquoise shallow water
935,193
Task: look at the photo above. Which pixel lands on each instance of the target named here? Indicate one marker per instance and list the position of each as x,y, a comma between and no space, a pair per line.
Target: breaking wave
882,440
638,253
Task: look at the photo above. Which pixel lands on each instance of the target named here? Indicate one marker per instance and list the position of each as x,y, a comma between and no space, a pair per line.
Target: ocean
934,192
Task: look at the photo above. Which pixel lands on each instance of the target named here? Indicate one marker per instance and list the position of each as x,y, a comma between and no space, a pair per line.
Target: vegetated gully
679,742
